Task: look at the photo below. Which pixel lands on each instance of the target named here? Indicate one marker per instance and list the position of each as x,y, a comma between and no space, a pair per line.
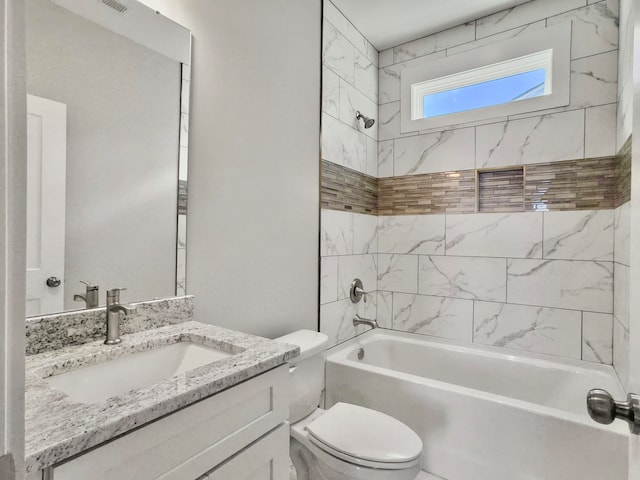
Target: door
46,179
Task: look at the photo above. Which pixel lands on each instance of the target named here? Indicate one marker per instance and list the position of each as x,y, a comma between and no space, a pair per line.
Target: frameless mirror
107,84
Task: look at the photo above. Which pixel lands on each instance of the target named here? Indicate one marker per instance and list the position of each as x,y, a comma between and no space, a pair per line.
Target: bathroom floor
428,476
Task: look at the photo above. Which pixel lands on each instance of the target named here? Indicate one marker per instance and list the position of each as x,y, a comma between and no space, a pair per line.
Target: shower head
368,122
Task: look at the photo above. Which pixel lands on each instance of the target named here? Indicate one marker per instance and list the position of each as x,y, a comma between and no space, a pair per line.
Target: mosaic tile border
585,184
448,192
623,191
348,190
588,184
501,190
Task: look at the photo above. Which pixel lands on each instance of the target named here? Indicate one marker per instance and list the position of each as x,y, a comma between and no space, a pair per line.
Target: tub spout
358,320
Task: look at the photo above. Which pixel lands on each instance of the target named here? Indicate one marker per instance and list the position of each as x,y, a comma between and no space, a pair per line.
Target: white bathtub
483,412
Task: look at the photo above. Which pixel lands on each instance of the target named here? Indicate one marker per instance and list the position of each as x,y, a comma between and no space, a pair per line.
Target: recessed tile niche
500,190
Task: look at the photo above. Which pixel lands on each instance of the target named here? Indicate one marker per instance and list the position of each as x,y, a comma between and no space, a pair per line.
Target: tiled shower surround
541,282
540,279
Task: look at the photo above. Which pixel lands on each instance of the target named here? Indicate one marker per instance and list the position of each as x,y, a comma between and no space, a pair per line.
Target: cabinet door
190,442
266,459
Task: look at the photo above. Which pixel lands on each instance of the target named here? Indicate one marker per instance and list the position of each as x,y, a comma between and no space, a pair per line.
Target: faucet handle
114,293
357,292
90,286
362,293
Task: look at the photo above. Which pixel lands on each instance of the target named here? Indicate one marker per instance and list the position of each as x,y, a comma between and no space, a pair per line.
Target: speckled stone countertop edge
58,428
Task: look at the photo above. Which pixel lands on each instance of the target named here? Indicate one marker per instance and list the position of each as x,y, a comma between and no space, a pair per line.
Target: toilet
344,442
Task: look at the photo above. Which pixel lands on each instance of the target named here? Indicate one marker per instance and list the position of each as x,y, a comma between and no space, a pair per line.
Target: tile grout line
509,257
565,309
473,322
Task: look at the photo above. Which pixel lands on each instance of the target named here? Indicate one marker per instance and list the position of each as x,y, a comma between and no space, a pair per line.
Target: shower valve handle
357,292
604,409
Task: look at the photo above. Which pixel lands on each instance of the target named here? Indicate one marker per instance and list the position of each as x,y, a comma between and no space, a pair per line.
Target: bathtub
484,412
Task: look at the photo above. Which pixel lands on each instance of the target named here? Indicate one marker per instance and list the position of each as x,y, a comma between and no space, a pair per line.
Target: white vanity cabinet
266,459
240,433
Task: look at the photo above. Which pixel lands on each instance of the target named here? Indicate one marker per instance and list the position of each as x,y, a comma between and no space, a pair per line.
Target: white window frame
548,48
508,68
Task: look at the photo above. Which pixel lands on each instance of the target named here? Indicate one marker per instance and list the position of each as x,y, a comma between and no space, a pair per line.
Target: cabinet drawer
266,459
188,443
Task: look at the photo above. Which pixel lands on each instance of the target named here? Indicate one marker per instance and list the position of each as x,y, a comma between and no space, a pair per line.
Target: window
504,82
528,73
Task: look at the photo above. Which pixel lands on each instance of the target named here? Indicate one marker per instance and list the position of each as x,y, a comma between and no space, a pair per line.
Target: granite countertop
58,428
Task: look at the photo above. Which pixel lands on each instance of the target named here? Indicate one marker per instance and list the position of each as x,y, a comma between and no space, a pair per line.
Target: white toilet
345,442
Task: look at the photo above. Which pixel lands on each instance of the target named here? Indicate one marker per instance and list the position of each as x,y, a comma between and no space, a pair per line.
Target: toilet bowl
344,442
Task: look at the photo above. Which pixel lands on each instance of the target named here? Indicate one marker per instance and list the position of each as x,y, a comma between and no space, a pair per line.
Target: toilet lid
365,434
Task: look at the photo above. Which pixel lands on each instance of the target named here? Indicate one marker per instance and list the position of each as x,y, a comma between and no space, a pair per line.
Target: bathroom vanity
219,420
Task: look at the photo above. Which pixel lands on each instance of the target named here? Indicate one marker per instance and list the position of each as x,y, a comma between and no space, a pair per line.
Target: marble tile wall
625,74
584,129
348,250
541,282
348,237
534,281
621,269
349,84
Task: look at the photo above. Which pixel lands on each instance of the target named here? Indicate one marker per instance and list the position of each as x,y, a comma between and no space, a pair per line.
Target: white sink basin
96,383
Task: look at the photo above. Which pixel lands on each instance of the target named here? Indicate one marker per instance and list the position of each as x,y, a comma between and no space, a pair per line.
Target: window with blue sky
485,88
497,91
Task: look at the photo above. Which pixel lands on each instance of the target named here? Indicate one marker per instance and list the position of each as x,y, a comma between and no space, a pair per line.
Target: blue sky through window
485,94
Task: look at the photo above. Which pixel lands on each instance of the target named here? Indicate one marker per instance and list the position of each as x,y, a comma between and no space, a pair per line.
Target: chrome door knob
604,409
53,282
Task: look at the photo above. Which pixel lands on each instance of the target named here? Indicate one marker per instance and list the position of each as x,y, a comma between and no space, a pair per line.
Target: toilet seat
327,450
365,437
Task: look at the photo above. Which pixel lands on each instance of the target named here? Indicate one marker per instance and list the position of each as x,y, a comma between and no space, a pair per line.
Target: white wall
12,236
252,257
123,121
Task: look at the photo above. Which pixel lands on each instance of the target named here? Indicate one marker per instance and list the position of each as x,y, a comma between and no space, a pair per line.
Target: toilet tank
306,372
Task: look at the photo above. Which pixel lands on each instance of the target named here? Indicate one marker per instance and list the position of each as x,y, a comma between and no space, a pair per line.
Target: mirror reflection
104,119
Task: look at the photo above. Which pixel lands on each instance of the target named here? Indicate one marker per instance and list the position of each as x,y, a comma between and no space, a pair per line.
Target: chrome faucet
358,320
114,307
91,296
